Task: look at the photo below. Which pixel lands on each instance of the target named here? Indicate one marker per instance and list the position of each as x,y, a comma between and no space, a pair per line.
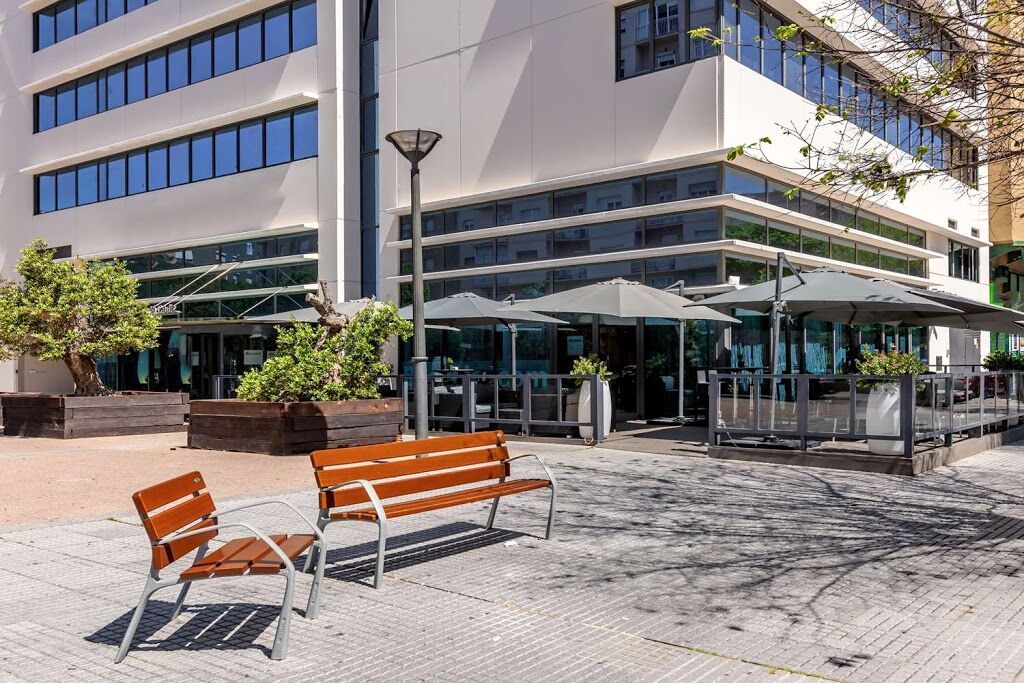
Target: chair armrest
547,470
272,501
237,525
371,493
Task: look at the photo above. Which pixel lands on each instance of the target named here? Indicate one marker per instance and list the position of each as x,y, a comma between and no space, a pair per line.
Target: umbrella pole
773,364
682,370
515,341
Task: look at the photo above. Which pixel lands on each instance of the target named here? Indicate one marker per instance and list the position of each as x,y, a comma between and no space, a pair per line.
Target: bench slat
159,495
204,567
412,507
399,449
174,518
399,468
171,551
292,547
418,484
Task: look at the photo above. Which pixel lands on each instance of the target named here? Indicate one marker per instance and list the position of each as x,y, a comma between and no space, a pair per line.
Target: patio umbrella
473,309
627,299
973,315
309,315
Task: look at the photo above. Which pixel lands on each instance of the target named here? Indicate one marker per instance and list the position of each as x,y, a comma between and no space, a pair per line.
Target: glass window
888,260
46,110
749,37
202,256
529,246
46,24
117,177
469,254
248,250
156,73
686,184
894,232
133,5
368,206
693,269
226,151
157,168
740,226
867,222
813,205
813,243
168,260
524,209
88,104
606,197
65,19
813,77
469,218
177,66
749,272
46,193
795,66
202,57
302,274
250,41
305,133
595,239
844,215
249,278
635,44
783,236
88,184
202,156
773,54
702,14
303,24
224,50
368,125
294,245
279,141
681,228
115,86
832,87
136,79
276,32
250,145
179,162
916,237
730,28
66,97
137,172
744,184
867,256
523,285
666,34
66,182
917,267
115,8
783,195
844,250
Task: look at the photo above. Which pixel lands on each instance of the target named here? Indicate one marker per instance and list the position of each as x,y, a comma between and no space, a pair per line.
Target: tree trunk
87,378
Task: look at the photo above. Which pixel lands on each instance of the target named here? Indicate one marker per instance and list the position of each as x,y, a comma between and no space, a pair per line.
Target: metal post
419,340
596,407
803,387
907,414
947,439
468,405
527,399
714,389
514,330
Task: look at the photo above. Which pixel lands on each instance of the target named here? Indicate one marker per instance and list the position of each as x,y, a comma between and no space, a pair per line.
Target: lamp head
414,145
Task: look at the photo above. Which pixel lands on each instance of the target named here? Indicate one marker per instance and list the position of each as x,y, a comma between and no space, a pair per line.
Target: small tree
72,311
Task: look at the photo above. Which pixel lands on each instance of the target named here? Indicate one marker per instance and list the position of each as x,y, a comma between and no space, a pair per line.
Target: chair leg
133,626
313,556
382,541
313,606
180,602
494,511
280,650
551,513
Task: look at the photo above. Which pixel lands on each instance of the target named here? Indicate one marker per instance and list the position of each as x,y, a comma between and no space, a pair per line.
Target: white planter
883,419
587,431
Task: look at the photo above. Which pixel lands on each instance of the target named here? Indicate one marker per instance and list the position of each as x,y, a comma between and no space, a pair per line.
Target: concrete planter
293,428
69,417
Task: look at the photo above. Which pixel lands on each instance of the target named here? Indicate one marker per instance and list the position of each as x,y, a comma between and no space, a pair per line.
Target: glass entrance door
204,361
617,346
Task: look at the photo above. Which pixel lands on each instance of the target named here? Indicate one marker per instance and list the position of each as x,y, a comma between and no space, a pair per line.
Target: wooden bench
364,480
179,516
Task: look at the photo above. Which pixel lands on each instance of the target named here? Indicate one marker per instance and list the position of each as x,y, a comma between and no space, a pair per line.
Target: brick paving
664,568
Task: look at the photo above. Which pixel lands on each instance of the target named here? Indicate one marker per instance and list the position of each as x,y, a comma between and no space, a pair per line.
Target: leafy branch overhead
72,311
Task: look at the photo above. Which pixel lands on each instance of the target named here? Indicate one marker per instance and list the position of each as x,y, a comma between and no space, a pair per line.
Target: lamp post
414,145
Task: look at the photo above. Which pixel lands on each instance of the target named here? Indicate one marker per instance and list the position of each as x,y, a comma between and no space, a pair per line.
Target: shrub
315,364
1004,361
891,364
584,366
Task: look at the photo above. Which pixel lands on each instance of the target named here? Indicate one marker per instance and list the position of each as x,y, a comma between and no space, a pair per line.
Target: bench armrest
272,501
547,470
371,493
289,567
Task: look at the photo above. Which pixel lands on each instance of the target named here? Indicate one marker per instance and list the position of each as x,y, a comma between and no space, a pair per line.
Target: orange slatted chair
356,476
179,516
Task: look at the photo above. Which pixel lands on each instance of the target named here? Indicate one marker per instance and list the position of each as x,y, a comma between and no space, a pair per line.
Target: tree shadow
210,626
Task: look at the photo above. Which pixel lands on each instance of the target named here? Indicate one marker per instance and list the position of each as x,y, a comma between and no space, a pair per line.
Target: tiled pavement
663,568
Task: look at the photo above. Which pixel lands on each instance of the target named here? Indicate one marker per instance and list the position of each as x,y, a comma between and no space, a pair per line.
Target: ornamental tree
72,311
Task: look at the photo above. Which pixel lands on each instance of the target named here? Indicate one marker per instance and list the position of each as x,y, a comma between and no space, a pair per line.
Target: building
212,145
586,139
230,151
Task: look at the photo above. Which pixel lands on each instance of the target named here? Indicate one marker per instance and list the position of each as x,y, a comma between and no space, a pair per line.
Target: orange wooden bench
179,516
364,480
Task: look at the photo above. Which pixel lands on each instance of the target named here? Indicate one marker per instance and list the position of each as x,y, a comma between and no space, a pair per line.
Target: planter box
69,417
292,428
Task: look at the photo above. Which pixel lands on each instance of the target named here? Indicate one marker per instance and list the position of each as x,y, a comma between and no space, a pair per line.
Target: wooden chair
179,516
353,477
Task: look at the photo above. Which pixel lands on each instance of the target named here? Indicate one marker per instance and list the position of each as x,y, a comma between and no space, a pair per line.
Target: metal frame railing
515,412
931,406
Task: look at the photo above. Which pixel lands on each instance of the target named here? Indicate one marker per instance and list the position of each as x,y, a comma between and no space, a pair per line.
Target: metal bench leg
551,511
151,587
180,602
284,622
382,542
313,556
313,606
494,511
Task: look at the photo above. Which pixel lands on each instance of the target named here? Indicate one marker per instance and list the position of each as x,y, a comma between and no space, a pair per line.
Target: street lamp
414,145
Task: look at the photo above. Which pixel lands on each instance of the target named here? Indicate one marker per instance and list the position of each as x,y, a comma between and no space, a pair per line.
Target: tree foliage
320,363
890,364
72,311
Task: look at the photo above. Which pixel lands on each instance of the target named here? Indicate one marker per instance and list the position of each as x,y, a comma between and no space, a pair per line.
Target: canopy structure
628,299
309,315
972,315
473,309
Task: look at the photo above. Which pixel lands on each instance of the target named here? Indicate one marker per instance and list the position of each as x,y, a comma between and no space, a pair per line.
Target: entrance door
617,345
205,363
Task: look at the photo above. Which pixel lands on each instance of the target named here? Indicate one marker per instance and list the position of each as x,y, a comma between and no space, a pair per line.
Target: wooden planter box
69,417
292,428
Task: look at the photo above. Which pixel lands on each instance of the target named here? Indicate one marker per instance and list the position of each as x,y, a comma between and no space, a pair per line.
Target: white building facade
230,151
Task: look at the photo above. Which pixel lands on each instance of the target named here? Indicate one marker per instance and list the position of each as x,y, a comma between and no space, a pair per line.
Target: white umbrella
310,315
628,299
